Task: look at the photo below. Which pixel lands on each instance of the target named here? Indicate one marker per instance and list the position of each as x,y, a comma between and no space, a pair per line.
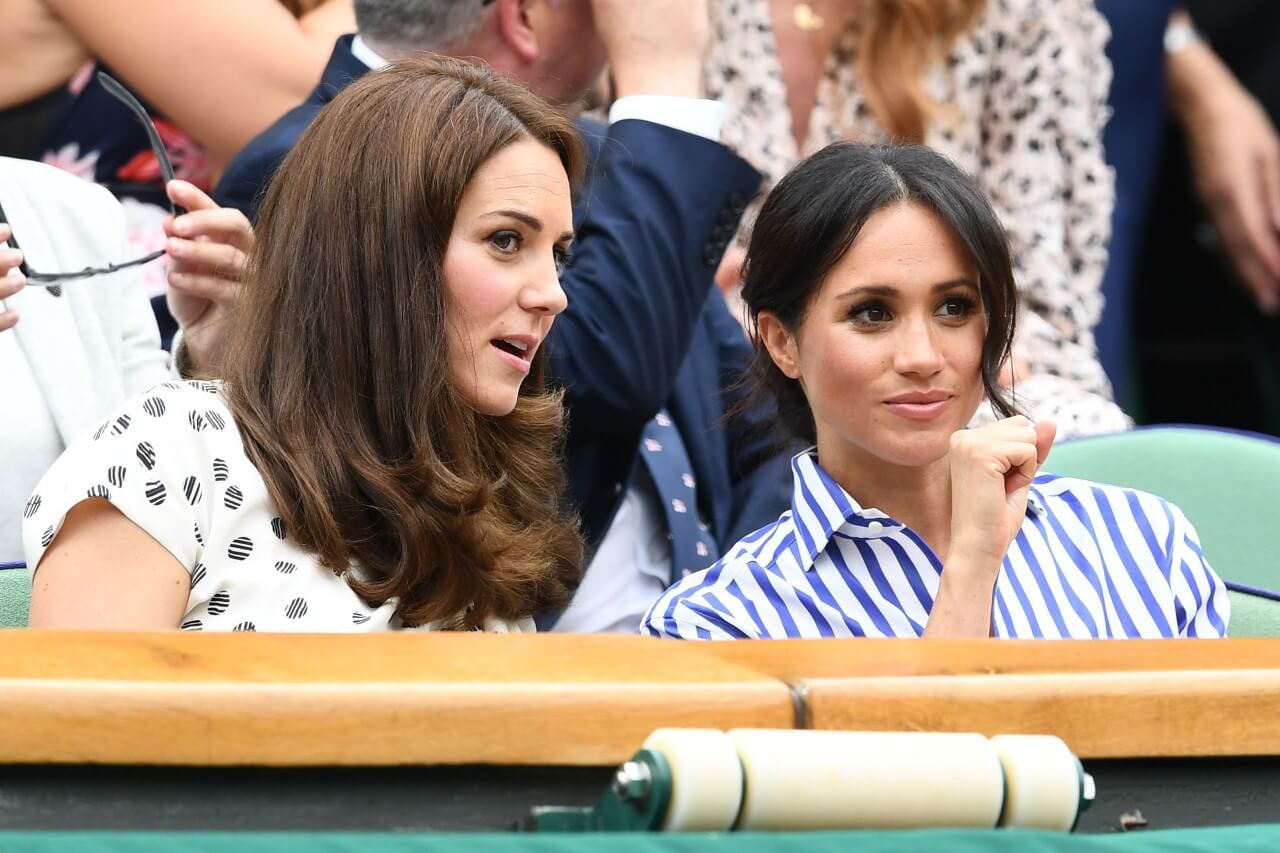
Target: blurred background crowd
1190,278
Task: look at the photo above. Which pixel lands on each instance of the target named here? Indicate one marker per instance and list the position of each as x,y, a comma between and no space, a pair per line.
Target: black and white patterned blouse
173,463
1025,96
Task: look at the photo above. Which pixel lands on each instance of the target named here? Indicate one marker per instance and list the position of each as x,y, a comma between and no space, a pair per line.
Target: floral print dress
1024,95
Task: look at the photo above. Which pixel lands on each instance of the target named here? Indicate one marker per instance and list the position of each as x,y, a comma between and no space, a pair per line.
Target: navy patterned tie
693,546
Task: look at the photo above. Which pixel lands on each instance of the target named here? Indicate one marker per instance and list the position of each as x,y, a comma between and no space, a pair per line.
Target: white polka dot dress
172,462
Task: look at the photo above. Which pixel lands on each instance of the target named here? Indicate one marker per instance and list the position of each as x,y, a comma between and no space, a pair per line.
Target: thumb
187,196
1046,432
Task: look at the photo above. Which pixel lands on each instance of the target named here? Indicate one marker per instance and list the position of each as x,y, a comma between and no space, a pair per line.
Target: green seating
1227,483
15,597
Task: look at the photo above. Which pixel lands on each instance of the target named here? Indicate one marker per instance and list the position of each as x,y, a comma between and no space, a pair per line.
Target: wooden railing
304,700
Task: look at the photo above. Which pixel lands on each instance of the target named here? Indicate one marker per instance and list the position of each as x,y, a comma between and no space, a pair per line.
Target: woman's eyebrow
527,218
889,290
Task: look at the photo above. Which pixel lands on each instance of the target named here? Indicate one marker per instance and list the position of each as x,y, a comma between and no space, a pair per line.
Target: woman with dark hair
381,454
881,290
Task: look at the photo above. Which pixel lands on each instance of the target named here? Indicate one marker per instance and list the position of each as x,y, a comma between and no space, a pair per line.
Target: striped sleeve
692,610
1202,606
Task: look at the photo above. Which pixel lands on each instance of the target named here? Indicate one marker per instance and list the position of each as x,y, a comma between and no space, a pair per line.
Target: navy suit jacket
645,327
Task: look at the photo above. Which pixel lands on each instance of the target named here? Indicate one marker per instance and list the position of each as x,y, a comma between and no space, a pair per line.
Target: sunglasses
48,279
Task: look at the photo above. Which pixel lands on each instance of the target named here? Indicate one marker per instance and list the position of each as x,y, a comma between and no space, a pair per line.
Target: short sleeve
155,460
1200,596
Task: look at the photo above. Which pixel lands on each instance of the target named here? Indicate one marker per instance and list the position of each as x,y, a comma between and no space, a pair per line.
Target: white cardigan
96,344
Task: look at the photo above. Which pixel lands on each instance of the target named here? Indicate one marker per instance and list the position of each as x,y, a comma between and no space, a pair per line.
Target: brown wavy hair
899,41
339,376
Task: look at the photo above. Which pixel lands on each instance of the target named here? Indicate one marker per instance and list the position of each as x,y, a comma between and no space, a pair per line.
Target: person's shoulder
44,185
199,405
1058,492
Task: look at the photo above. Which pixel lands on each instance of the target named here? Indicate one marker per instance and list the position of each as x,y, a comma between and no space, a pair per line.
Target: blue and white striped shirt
1090,561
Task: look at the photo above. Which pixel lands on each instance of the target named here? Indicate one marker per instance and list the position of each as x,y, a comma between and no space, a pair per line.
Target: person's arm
759,463
37,53
103,572
222,71
1235,158
647,245
1046,177
992,468
112,532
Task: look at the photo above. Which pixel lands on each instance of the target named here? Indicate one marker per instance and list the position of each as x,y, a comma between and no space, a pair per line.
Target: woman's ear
780,343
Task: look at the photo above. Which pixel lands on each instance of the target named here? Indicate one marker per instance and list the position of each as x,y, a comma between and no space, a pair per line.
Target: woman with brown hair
1014,91
381,454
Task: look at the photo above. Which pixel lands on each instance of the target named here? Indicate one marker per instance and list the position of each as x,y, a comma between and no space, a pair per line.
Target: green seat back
15,597
1228,484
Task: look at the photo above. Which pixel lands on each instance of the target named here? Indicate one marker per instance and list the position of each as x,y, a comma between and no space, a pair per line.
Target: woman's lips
515,361
919,411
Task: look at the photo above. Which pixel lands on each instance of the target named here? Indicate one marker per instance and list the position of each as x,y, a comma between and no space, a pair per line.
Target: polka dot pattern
172,461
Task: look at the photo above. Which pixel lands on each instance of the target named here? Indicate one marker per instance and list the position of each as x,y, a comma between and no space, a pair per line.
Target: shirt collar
360,50
820,507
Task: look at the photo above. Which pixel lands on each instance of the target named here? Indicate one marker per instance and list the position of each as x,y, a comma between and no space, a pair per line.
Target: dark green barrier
1237,838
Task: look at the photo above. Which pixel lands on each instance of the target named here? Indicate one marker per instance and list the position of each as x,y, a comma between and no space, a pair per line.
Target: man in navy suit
647,352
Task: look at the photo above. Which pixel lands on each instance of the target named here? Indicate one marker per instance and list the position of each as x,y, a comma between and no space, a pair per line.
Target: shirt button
617,488
875,526
686,573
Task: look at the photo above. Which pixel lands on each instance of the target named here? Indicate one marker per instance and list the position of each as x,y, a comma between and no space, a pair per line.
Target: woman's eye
955,307
870,314
505,241
563,257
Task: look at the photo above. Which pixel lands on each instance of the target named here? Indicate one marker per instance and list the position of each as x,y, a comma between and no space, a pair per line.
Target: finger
221,225
8,319
5,232
1248,266
187,195
1253,227
1271,183
1021,465
1017,428
202,286
11,284
221,258
10,259
1046,432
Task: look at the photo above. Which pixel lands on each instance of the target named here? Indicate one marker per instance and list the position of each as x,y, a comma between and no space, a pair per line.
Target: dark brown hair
899,41
339,379
817,210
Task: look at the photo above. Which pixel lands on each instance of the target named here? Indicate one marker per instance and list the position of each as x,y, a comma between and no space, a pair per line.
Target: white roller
797,780
1043,782
706,779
